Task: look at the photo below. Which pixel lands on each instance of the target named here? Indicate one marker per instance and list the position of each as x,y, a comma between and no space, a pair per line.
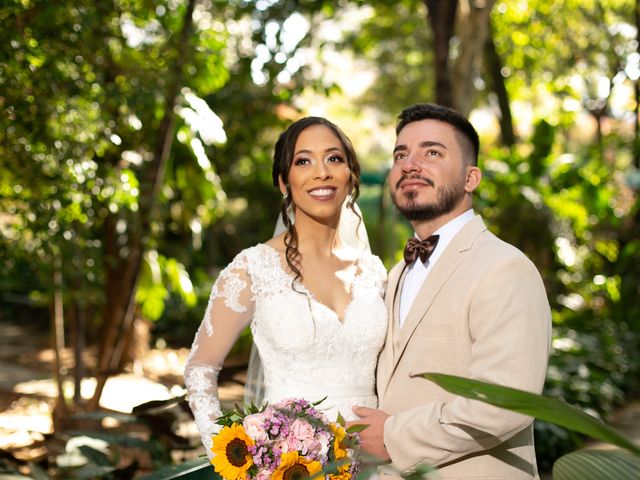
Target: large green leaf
544,408
101,415
37,472
597,465
114,438
95,456
93,471
196,469
156,405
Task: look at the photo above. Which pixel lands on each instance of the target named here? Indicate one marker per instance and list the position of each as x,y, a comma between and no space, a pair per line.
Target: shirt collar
448,231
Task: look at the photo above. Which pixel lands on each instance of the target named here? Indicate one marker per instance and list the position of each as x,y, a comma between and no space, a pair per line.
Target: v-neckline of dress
312,298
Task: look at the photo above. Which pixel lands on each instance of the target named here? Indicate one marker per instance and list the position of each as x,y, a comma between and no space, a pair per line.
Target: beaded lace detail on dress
306,350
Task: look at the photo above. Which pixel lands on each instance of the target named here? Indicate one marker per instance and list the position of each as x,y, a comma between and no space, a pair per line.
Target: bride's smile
323,193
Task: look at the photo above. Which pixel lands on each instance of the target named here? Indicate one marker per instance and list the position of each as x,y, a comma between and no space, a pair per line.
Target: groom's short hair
465,133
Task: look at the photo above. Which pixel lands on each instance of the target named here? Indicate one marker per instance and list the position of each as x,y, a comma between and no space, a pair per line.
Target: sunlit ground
26,414
24,422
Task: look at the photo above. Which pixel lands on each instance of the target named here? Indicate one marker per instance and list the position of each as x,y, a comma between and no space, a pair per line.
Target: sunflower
232,458
294,467
342,475
339,449
340,453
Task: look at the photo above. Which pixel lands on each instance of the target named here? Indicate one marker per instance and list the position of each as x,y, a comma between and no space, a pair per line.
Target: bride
313,300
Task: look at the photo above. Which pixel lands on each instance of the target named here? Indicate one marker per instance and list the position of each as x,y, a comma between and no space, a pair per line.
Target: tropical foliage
581,465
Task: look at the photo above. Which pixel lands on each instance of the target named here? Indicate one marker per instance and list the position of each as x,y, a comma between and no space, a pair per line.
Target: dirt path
28,392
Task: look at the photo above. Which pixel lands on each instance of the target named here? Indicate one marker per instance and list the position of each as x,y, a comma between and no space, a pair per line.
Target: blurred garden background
135,162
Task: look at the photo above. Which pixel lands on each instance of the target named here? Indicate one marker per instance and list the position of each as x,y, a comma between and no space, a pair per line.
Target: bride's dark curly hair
282,160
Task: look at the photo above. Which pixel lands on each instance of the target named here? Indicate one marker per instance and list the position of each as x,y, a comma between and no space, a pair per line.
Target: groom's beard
447,198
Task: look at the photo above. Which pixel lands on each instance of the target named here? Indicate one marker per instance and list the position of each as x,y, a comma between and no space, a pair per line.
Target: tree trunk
473,28
122,279
441,15
78,341
636,151
120,287
57,337
494,74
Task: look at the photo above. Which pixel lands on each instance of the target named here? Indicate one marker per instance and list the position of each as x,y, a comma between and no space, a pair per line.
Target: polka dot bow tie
420,248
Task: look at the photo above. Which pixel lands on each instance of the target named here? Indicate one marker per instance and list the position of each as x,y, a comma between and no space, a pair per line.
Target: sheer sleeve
375,272
381,275
228,312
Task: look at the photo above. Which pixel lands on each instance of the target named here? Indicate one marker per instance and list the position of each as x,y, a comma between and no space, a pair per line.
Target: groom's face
428,176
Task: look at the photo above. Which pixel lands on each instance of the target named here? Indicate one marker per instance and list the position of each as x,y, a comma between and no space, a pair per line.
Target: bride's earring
288,203
349,199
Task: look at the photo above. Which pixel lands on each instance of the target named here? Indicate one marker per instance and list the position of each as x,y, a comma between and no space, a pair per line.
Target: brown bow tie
420,248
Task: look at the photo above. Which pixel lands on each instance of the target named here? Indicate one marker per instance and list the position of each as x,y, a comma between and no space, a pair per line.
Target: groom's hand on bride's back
373,436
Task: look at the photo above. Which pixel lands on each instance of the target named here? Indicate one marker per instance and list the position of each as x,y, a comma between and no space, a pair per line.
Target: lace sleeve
381,274
374,272
228,312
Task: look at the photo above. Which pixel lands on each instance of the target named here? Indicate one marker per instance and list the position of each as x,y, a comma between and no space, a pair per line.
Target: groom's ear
474,175
282,185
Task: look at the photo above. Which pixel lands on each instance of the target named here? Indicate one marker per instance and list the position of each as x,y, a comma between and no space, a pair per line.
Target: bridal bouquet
286,440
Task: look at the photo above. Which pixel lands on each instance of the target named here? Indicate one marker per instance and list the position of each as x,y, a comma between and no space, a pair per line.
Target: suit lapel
450,260
385,364
394,307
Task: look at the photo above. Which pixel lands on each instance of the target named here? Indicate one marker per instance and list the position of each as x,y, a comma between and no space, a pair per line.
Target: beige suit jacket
482,313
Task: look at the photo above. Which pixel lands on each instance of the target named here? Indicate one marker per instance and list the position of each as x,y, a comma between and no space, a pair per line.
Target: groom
462,302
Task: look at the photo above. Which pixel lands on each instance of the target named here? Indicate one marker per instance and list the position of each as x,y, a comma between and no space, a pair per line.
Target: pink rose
302,435
254,426
280,447
263,475
311,448
324,442
286,402
293,443
302,429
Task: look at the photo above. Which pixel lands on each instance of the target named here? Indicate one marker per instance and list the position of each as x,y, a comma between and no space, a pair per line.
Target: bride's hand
373,436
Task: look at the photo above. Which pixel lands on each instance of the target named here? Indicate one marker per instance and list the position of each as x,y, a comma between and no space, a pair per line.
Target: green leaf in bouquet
331,468
227,419
315,404
340,420
253,408
237,414
544,408
597,465
357,428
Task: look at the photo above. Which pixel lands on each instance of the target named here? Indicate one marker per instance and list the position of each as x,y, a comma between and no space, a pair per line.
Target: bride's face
319,177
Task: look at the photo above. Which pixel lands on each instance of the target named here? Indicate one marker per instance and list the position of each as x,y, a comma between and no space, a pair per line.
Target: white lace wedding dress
307,351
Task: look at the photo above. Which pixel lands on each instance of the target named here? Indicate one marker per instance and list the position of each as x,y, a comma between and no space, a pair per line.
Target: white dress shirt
418,272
